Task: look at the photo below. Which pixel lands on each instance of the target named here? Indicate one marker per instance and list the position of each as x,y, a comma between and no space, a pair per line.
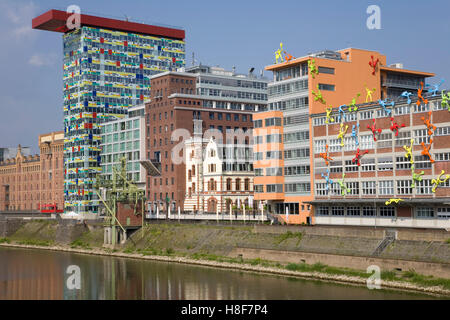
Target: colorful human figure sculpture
416,177
329,117
395,126
420,96
407,95
374,130
341,110
352,106
434,88
355,129
431,127
384,104
393,200
445,100
328,181
408,153
318,96
278,55
288,57
358,156
325,155
436,182
344,188
342,133
369,94
312,68
373,63
426,150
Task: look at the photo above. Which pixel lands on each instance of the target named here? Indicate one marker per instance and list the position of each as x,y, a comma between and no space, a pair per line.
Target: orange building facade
27,183
310,85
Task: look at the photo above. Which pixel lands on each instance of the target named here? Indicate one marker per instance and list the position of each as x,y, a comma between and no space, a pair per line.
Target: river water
41,274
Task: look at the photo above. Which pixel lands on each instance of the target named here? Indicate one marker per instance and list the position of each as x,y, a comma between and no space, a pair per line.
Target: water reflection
34,274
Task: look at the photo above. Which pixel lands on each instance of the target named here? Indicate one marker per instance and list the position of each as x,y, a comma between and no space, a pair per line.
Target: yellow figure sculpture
342,133
329,117
438,181
278,54
408,153
393,200
369,94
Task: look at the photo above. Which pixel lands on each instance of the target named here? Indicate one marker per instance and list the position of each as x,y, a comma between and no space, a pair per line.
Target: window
337,211
424,212
421,107
402,163
351,166
366,115
387,212
368,188
274,188
273,155
272,122
442,156
368,211
274,171
258,139
403,139
321,189
259,172
327,87
211,115
366,142
404,187
367,164
219,116
421,136
296,136
319,146
386,187
401,110
322,211
354,188
273,138
385,164
381,113
228,184
258,188
335,145
385,140
326,70
228,117
353,211
336,166
443,131
349,144
238,184
297,170
303,187
424,186
296,153
422,162
319,121
247,184
443,212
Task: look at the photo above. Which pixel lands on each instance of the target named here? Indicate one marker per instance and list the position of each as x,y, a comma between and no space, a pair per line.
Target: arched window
228,184
247,184
238,184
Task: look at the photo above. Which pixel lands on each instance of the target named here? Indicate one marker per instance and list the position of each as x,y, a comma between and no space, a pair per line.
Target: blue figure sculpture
434,88
384,103
407,95
355,130
328,181
341,110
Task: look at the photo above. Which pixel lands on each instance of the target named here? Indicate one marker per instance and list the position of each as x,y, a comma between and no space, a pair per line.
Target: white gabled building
213,179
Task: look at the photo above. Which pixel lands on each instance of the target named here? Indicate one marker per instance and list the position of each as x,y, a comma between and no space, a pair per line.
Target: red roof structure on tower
55,20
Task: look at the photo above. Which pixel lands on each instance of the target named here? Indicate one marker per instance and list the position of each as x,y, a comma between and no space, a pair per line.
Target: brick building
399,153
29,182
223,100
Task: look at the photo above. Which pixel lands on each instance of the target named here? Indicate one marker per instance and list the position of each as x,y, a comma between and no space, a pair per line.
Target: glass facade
105,73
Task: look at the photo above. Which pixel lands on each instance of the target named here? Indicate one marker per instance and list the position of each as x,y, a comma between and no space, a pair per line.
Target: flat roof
406,201
55,20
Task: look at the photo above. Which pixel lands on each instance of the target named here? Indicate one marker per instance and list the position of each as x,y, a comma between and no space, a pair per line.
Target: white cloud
39,60
18,17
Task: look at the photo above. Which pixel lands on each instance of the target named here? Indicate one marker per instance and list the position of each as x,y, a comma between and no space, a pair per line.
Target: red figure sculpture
373,63
426,150
358,156
395,126
325,155
374,130
419,95
431,127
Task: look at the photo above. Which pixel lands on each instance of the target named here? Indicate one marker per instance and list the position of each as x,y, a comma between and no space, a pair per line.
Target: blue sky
228,33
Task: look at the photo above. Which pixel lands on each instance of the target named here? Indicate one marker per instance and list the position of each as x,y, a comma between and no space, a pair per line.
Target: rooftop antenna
234,70
193,58
126,17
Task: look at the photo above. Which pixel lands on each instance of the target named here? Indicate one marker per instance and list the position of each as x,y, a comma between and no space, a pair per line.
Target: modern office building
396,174
31,182
225,101
9,153
304,86
125,138
107,68
213,184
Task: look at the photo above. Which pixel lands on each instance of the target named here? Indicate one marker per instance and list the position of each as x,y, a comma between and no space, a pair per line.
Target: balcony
153,167
404,84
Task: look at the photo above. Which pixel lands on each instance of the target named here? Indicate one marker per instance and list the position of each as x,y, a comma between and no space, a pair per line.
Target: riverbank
255,266
326,254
